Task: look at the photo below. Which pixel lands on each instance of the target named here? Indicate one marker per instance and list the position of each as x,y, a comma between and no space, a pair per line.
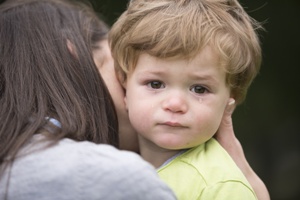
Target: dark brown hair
47,71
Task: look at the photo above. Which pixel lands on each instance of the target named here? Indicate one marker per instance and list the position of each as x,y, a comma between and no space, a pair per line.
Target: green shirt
206,172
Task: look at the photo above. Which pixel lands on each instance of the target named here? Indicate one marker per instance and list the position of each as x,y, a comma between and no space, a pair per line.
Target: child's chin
171,144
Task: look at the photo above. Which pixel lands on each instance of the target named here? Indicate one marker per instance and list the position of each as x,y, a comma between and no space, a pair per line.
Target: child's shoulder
209,160
205,168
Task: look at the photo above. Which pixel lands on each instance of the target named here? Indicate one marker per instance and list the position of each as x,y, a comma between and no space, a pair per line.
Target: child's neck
155,154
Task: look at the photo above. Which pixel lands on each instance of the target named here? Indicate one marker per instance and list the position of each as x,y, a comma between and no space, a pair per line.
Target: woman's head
96,31
104,62
47,71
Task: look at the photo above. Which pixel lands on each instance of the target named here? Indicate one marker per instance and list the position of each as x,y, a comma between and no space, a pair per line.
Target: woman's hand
226,137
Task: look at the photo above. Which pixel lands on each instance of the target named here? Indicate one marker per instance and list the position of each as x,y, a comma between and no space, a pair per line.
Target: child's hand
226,137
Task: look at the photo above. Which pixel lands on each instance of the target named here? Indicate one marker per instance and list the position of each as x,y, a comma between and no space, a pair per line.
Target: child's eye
156,84
198,89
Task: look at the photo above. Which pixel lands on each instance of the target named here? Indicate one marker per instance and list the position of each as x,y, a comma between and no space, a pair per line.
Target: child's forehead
204,53
206,57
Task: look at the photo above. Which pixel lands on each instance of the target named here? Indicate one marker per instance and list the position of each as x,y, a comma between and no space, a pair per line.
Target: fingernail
231,102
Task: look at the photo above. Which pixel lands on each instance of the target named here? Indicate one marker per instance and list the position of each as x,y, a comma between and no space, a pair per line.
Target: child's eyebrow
205,77
151,71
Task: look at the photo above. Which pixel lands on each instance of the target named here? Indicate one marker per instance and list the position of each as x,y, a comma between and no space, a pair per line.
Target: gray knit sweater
73,170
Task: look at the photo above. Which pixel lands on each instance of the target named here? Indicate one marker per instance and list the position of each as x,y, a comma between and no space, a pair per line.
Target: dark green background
267,124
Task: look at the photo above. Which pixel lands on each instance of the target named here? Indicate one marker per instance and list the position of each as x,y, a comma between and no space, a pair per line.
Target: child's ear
124,84
125,101
121,78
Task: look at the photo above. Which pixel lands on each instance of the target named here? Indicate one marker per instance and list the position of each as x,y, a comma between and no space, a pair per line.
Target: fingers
226,126
230,107
226,137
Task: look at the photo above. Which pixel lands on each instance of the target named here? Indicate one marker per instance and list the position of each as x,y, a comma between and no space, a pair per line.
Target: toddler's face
177,103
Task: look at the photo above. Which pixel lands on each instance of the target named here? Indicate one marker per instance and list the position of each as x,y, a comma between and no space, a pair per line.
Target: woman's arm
232,145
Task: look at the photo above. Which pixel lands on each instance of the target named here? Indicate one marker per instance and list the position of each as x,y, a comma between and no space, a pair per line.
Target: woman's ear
71,48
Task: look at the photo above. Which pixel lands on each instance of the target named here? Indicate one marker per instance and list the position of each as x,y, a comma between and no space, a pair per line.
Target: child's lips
173,124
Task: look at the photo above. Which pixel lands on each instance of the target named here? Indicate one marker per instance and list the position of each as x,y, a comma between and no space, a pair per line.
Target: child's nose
175,103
